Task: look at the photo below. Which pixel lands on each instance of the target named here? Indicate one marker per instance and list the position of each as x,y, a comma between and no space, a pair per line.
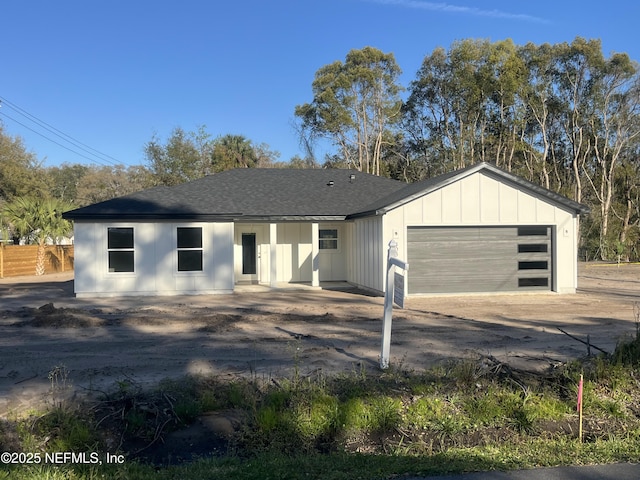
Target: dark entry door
249,254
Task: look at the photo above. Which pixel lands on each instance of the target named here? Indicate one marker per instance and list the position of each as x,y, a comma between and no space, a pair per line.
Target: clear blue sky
112,73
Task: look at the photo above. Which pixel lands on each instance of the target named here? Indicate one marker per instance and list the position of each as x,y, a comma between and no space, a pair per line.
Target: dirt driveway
100,342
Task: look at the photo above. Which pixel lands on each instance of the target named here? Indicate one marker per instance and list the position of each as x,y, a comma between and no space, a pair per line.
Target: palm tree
37,220
233,151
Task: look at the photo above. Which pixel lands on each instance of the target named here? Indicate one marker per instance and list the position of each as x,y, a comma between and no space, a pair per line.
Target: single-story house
480,229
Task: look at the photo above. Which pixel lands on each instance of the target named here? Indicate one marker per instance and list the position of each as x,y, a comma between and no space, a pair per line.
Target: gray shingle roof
290,194
261,193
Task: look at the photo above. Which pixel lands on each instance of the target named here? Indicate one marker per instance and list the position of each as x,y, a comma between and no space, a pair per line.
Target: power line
55,131
44,136
96,155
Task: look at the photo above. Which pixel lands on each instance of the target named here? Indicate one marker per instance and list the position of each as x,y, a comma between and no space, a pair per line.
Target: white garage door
479,259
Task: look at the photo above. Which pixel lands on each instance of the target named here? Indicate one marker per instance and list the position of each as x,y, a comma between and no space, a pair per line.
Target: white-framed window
328,238
189,246
120,249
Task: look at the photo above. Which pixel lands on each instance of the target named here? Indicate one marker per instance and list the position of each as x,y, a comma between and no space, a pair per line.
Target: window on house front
189,249
328,238
120,249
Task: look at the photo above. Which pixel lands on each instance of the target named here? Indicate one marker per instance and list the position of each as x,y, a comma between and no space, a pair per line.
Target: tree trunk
626,224
40,258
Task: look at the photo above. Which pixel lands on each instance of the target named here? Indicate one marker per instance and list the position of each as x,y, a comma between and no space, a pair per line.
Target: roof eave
292,218
123,217
222,217
368,213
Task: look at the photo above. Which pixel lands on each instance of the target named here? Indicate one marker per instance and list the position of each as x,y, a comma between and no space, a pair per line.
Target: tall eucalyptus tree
355,105
616,131
465,106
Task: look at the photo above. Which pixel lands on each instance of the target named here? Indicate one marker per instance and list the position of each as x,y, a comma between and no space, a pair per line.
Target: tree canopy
20,171
187,156
564,116
233,151
183,157
355,104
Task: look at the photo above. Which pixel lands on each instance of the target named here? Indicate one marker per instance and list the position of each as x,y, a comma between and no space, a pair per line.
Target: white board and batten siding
368,252
155,260
333,263
294,252
482,200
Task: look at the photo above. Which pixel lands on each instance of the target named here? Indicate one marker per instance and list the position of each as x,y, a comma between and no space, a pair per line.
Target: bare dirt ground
92,344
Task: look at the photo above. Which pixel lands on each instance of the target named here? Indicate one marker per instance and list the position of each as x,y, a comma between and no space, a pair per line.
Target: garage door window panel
533,265
534,257
533,248
533,282
533,230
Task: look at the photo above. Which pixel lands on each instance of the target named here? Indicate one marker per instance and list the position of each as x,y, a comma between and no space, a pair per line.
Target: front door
249,257
251,254
248,264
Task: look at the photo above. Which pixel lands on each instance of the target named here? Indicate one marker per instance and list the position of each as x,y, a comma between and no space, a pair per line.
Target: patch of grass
410,422
485,408
239,395
277,398
209,402
268,418
64,429
465,372
436,414
607,407
341,466
628,352
187,409
547,406
422,413
355,415
385,413
319,418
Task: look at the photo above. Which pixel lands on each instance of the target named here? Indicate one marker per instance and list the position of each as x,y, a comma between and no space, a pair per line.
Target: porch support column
273,265
315,258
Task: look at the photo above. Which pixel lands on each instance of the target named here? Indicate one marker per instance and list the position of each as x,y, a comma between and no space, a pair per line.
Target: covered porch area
290,254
